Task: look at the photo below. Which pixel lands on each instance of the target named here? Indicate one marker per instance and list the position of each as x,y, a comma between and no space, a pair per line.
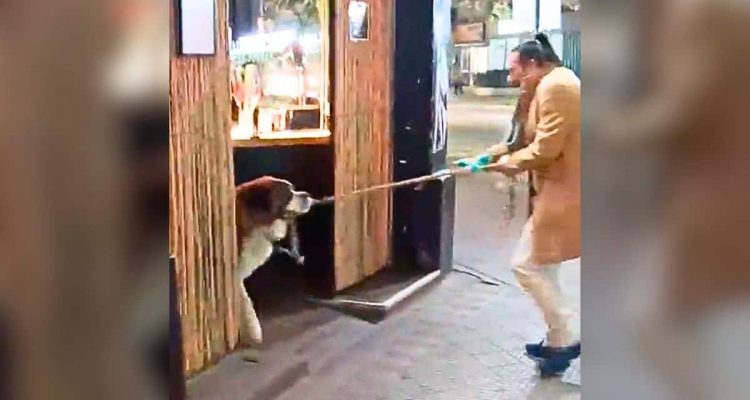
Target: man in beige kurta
552,233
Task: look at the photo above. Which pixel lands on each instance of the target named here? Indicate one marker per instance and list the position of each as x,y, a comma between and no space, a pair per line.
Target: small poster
359,21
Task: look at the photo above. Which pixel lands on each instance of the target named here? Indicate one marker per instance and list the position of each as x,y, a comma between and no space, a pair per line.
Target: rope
439,175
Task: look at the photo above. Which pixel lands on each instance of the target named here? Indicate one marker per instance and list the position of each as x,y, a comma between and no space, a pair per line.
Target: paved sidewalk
461,340
491,92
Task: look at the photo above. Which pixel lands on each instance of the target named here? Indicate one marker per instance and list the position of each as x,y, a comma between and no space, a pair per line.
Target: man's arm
497,151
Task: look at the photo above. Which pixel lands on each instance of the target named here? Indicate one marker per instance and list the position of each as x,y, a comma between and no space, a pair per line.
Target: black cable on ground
483,277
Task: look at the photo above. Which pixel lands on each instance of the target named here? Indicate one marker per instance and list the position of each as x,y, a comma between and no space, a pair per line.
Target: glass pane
278,77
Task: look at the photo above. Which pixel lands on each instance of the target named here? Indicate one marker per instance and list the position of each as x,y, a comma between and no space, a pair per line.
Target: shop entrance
280,78
291,64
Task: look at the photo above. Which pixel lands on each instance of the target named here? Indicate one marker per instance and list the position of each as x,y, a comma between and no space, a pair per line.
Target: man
550,149
457,79
552,233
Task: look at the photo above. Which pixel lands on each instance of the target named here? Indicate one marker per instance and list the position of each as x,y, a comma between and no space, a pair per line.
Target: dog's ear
254,203
281,194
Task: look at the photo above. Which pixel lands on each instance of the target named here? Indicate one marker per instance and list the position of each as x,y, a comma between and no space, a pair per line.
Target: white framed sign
195,24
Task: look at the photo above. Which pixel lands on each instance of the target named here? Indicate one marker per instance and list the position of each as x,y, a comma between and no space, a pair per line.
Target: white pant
542,283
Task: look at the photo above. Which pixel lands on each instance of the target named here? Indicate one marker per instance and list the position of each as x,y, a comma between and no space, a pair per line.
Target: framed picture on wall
359,21
195,27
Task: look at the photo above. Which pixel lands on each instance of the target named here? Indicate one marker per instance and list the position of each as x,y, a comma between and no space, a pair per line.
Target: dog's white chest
258,247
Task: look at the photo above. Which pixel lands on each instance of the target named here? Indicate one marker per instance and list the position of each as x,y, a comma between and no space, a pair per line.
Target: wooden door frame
362,131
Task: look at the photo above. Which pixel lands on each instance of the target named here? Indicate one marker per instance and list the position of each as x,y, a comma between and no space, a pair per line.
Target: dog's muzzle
300,204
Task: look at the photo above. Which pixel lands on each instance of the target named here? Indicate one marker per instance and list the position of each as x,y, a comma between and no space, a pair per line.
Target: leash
294,251
439,175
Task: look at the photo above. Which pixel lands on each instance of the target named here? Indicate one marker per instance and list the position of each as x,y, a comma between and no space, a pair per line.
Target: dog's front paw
256,333
251,335
250,338
247,343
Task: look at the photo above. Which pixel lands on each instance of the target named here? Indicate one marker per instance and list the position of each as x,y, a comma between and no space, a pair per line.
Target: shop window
280,69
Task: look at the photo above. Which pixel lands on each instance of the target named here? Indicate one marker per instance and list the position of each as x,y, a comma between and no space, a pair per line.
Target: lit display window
280,74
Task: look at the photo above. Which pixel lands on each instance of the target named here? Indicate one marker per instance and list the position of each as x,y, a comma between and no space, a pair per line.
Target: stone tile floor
459,340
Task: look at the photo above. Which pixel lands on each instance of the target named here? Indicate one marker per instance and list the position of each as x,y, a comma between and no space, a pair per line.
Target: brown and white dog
265,209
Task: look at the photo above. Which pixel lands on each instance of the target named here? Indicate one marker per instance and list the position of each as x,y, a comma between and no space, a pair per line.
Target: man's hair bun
543,40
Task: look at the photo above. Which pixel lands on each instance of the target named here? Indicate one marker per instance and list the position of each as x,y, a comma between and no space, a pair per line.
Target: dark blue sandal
539,350
555,361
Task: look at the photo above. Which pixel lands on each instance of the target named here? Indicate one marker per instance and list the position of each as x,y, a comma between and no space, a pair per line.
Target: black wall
423,219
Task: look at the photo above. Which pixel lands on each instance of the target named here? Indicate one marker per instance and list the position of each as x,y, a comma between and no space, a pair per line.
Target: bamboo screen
362,136
202,235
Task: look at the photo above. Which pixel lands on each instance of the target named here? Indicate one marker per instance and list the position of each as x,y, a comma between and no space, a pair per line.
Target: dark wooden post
423,219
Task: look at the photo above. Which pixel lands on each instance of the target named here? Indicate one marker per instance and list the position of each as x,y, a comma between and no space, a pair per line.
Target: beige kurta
553,156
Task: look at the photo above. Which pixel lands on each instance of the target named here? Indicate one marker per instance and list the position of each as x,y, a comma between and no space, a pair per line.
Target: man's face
517,71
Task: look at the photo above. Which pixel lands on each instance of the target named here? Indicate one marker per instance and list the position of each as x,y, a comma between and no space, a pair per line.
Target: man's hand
503,166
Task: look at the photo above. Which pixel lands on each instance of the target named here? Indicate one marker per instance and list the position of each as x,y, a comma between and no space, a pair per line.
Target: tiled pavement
461,340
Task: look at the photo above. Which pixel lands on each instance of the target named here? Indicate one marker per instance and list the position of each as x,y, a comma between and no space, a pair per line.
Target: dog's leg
250,330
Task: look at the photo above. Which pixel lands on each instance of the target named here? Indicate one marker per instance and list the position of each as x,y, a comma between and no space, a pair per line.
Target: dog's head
269,202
